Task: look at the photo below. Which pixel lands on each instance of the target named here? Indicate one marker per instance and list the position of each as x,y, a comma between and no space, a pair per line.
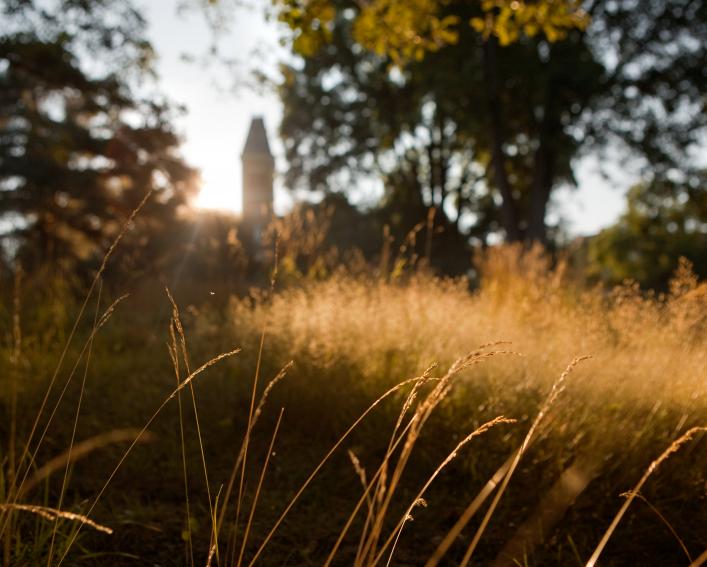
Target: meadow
358,418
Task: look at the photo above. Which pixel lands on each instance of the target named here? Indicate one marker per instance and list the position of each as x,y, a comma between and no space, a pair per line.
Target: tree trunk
540,194
543,172
509,216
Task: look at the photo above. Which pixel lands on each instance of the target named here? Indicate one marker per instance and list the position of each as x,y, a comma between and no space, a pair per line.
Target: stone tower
258,169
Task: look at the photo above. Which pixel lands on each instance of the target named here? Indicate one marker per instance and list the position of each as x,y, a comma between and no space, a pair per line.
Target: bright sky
218,116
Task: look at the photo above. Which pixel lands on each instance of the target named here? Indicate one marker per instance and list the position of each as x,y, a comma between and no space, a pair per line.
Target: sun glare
219,192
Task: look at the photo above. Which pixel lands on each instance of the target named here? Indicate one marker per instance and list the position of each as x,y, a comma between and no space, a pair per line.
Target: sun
220,190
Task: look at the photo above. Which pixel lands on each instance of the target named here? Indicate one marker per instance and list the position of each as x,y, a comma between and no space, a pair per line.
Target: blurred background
576,125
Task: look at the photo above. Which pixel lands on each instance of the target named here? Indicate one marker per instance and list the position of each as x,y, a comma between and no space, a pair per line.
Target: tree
79,149
522,106
408,29
664,221
425,131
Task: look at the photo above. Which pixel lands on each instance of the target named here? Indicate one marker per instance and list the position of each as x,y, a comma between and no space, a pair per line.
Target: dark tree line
82,139
481,132
486,133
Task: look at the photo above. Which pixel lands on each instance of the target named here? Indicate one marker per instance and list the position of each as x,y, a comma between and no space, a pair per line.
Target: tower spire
258,171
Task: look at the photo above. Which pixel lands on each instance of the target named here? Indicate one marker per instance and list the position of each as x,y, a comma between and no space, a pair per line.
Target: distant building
258,171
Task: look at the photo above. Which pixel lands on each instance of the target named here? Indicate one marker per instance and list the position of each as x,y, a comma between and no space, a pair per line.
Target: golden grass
557,388
371,553
418,500
648,350
674,446
645,383
53,514
645,348
323,461
183,384
258,489
177,331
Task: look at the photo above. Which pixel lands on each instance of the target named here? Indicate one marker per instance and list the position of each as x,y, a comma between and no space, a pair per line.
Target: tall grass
642,344
242,483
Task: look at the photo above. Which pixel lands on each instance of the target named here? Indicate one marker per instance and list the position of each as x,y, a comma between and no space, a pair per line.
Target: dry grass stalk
201,368
174,356
212,549
323,461
381,477
555,391
701,560
469,512
662,519
260,485
26,450
674,446
177,323
53,515
249,427
379,474
422,414
97,323
386,490
14,489
266,392
361,474
407,515
420,502
379,491
258,411
174,393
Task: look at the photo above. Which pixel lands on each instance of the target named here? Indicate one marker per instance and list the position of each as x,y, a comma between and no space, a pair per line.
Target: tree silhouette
508,120
79,147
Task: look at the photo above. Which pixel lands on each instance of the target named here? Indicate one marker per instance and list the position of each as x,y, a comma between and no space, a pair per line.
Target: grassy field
486,437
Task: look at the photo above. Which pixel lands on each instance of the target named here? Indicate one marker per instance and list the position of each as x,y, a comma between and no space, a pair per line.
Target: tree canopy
665,221
407,29
82,137
486,121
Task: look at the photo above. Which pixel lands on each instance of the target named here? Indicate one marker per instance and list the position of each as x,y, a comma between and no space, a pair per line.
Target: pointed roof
257,140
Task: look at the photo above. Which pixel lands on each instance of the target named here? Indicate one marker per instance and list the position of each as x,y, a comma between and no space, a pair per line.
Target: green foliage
664,222
509,20
406,30
425,129
486,133
79,148
311,19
